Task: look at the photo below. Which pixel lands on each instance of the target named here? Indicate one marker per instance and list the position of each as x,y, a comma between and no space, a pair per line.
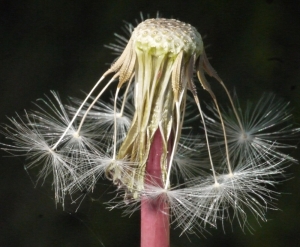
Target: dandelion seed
102,115
248,188
264,128
36,146
191,158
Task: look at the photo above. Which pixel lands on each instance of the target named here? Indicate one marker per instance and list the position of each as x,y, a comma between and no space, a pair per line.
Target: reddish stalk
155,223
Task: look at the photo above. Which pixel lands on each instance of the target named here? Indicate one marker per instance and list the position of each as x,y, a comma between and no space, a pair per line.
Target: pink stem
155,224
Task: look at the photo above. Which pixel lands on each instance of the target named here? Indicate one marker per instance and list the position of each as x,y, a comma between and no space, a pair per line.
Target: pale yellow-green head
167,36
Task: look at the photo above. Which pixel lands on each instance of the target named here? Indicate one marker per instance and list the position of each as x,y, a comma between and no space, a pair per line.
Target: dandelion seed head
137,142
170,36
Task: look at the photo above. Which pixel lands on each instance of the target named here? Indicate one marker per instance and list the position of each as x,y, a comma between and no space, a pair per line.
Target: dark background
59,45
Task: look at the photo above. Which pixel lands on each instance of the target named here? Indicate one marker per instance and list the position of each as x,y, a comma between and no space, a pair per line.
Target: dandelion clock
181,162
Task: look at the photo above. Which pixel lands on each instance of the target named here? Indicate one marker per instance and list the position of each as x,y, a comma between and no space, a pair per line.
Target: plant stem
155,224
